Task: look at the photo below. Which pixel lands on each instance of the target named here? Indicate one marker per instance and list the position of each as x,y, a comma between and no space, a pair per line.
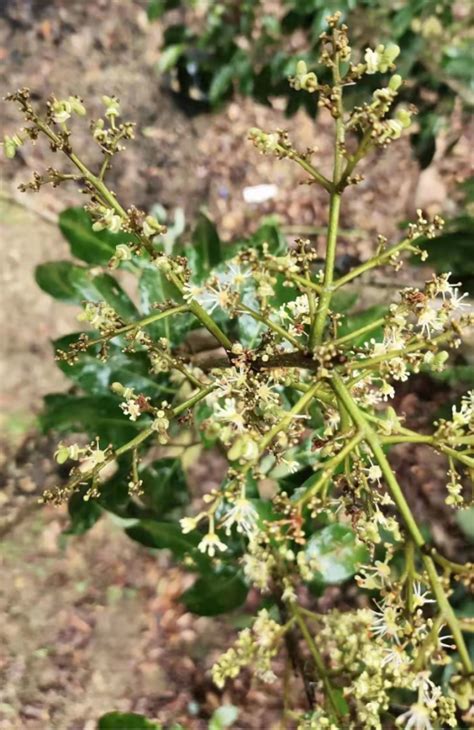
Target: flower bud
403,116
112,106
389,54
77,106
123,252
61,111
151,227
301,68
395,82
9,147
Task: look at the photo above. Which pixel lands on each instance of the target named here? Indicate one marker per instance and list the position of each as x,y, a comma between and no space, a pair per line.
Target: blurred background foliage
211,50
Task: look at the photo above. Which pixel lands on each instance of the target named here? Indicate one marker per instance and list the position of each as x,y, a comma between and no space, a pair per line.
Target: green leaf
155,288
93,415
164,535
270,234
164,486
73,284
221,83
96,377
214,594
155,9
94,247
53,278
358,320
335,552
82,514
170,56
223,717
205,252
126,721
465,520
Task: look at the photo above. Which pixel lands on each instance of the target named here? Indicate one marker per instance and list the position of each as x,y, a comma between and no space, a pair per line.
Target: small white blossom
416,718
210,543
243,515
374,472
429,321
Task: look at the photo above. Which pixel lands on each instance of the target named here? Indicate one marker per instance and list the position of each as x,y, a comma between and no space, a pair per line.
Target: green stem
359,332
372,263
318,661
272,325
329,468
139,323
317,327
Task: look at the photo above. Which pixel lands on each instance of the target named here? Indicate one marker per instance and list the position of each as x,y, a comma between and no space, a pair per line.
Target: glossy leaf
164,486
205,252
164,535
96,377
126,721
94,247
93,415
335,552
82,514
356,321
213,594
73,284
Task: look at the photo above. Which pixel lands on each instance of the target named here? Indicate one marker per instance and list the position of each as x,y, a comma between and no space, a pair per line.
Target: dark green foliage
210,66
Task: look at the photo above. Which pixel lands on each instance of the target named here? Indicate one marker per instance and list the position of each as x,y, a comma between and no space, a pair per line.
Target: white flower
419,597
372,59
395,655
444,286
235,275
229,414
456,301
210,543
416,718
131,409
374,472
243,515
386,623
214,297
299,306
188,524
429,321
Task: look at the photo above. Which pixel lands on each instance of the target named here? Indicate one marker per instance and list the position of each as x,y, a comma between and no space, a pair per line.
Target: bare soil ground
91,624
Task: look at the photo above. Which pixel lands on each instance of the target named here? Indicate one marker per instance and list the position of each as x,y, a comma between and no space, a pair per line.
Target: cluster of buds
62,109
108,219
254,647
303,79
101,316
381,59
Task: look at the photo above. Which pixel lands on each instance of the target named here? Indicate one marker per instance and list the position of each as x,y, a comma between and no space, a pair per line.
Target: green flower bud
117,388
112,106
61,111
123,252
77,106
388,56
9,147
61,454
151,227
403,116
395,82
310,82
301,68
